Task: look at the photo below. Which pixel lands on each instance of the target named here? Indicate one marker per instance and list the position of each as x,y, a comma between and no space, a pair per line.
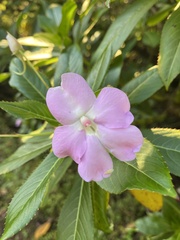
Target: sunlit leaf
28,198
68,13
159,16
151,200
76,217
51,38
148,172
4,76
168,142
169,56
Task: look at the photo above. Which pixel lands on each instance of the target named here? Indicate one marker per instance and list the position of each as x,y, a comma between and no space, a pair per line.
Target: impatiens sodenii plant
90,121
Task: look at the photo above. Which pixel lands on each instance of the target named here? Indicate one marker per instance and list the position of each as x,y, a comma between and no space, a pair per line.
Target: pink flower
92,127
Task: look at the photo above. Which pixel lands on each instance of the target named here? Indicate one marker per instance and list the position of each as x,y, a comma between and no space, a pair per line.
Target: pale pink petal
71,100
122,143
111,109
69,140
96,163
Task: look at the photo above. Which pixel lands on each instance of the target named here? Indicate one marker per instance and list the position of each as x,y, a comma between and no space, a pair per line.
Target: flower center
86,122
88,125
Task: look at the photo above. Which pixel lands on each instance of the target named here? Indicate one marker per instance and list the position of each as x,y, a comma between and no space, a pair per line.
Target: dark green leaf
114,38
70,61
100,200
28,198
153,224
122,27
76,217
171,212
144,86
148,172
113,75
27,81
29,109
168,142
169,56
99,70
54,12
47,24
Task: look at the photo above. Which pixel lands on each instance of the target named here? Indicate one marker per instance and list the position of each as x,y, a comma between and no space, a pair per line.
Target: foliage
70,38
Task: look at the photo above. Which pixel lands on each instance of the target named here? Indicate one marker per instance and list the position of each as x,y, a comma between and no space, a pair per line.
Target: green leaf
76,218
56,177
29,109
164,225
175,236
168,142
153,224
169,56
4,76
148,172
114,38
98,72
54,12
47,24
100,200
151,38
160,15
52,20
52,38
62,66
24,154
28,198
122,26
144,86
70,61
171,212
113,75
75,63
27,81
68,13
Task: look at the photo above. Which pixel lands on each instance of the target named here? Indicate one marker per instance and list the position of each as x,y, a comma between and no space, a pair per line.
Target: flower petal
69,140
96,163
111,109
71,100
122,143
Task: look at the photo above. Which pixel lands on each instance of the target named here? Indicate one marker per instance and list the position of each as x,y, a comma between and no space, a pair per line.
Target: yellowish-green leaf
151,200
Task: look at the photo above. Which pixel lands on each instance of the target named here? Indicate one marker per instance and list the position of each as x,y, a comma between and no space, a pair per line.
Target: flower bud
14,45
